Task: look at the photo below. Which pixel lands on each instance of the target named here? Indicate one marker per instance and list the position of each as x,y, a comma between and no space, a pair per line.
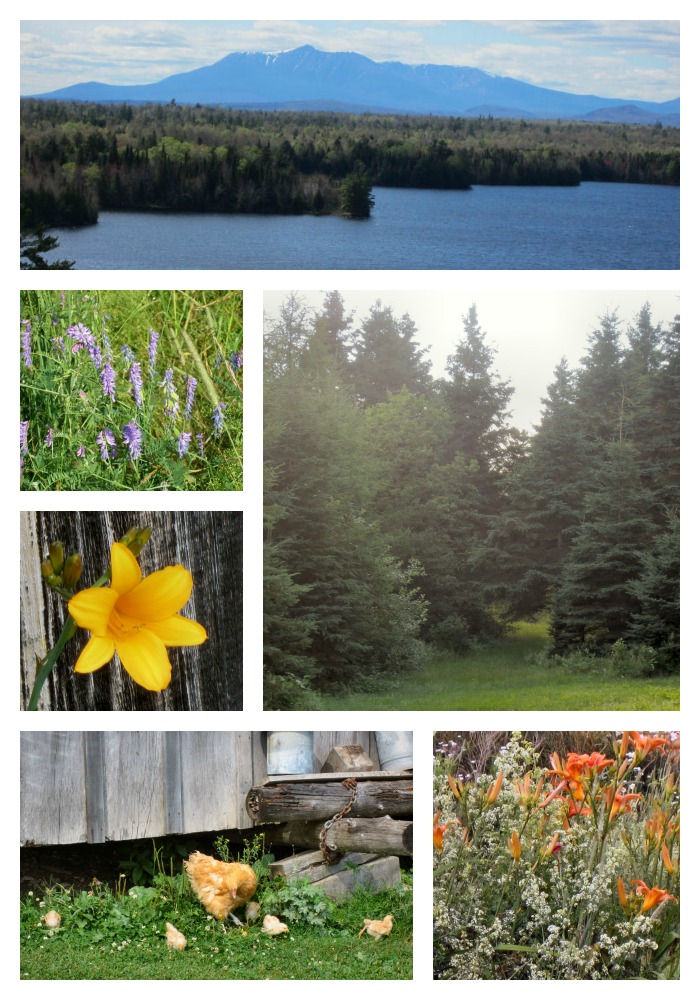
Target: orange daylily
438,831
493,789
137,618
578,768
666,858
651,896
514,845
645,743
618,802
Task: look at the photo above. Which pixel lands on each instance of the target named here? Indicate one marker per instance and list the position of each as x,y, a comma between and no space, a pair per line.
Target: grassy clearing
510,675
131,390
108,935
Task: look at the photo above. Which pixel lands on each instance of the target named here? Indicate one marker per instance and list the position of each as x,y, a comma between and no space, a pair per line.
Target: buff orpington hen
221,886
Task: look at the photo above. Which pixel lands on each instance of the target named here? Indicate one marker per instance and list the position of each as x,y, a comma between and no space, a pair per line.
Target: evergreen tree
594,605
657,589
356,198
328,346
387,357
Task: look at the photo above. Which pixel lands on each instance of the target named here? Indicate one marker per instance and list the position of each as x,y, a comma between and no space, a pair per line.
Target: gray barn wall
208,543
78,787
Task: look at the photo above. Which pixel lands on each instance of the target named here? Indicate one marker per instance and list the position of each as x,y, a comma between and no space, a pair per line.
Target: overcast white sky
616,58
530,330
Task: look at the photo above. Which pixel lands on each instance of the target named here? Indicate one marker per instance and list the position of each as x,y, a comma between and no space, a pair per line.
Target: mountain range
308,79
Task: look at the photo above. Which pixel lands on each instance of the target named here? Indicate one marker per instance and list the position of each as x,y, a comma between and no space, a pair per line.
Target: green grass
106,936
72,422
508,675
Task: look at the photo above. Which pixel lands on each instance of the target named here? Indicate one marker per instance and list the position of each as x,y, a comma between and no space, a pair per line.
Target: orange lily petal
98,651
159,595
145,658
91,608
179,631
126,572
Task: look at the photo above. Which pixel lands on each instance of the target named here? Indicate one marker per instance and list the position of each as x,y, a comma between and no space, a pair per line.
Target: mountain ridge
331,80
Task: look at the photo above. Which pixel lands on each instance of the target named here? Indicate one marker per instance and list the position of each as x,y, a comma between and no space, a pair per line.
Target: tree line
404,511
79,158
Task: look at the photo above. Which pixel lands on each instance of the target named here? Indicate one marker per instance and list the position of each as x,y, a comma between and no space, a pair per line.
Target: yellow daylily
137,618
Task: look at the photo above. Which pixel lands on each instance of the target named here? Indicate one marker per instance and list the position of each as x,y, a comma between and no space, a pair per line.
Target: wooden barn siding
92,787
208,543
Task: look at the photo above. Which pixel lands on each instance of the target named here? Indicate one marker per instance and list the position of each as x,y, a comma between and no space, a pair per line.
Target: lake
593,226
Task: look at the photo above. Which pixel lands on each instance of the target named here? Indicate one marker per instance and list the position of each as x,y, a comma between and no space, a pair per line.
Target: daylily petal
97,652
145,658
179,631
159,595
91,608
126,572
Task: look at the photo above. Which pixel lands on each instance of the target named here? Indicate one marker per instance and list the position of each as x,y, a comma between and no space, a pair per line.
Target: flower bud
140,540
56,556
72,570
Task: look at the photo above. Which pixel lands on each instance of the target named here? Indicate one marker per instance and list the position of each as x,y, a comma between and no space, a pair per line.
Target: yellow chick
378,928
174,938
271,925
52,919
252,911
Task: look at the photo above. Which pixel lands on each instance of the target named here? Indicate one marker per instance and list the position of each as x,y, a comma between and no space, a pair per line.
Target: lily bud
56,556
72,570
47,569
514,845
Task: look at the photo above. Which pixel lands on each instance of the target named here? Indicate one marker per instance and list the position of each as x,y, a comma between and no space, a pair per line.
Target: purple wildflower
132,438
136,382
200,444
83,337
184,443
23,431
127,354
109,381
81,451
236,360
48,440
27,343
107,443
152,348
218,418
58,344
191,386
172,403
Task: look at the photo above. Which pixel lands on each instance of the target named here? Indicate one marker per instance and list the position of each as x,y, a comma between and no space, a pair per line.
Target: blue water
593,226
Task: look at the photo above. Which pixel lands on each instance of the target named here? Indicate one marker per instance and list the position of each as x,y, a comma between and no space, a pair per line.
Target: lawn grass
109,936
506,676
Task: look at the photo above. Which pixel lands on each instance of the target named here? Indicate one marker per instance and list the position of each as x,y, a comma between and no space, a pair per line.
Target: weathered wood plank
286,801
375,875
369,836
134,785
312,865
52,782
322,776
208,543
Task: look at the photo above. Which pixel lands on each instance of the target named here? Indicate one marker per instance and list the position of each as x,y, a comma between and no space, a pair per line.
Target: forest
77,159
406,516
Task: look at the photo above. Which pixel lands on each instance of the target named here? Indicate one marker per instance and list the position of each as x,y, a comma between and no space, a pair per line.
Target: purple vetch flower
152,348
183,443
107,443
23,431
136,382
59,344
218,418
127,354
108,379
200,444
81,451
83,337
27,343
170,397
236,360
191,385
132,438
48,440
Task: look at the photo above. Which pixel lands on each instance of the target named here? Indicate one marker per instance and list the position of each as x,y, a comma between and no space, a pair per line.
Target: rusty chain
332,857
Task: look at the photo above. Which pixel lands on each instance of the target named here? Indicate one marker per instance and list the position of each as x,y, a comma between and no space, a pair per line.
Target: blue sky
624,59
